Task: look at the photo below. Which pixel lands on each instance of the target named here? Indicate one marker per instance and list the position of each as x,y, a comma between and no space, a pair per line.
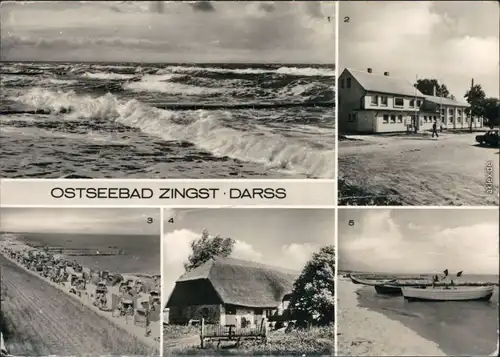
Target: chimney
386,74
369,70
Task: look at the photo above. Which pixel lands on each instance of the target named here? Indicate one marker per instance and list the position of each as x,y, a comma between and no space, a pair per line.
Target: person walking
434,130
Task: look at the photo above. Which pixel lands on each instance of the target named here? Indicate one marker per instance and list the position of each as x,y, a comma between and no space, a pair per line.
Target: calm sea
142,251
106,120
459,328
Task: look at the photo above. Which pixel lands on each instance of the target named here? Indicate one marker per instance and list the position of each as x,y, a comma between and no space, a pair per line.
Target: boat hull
388,290
452,294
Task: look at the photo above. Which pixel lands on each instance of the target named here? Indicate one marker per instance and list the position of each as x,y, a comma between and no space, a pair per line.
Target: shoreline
363,332
123,323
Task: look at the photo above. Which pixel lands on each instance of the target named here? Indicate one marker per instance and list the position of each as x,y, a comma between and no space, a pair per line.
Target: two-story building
378,103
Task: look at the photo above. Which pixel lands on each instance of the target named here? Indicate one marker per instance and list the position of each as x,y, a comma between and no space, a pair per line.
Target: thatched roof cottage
230,291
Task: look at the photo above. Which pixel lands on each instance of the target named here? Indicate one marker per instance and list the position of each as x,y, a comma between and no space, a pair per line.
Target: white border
336,170
162,295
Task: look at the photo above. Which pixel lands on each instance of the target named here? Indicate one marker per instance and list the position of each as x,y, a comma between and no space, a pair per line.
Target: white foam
202,128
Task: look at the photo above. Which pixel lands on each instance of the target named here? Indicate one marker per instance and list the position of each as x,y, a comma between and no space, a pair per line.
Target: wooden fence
232,333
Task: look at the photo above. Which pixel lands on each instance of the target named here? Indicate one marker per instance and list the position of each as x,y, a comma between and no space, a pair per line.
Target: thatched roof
244,283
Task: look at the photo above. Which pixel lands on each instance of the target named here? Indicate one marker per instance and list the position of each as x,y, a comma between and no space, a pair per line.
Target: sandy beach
362,332
416,170
61,316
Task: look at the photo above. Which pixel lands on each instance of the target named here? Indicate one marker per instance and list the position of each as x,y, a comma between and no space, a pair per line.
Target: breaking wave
205,129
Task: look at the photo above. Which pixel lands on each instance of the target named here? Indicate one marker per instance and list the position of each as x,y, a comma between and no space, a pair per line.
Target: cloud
172,32
245,251
296,255
446,41
77,220
384,245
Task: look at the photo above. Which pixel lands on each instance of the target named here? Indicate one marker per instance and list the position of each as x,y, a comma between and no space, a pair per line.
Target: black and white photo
416,282
79,282
167,89
418,111
248,281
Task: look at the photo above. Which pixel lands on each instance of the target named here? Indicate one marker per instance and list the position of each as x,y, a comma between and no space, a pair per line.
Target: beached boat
448,293
388,289
357,280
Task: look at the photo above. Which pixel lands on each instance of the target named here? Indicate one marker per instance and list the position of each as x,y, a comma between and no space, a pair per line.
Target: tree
313,291
491,111
475,97
426,86
206,248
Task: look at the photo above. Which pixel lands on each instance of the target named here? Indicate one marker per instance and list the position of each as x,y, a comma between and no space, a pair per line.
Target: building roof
445,101
374,82
245,283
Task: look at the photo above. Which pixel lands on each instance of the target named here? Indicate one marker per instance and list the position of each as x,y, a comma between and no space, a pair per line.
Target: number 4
171,220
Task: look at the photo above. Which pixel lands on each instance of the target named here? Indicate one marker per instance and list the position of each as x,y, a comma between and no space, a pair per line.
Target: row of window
398,101
451,111
393,119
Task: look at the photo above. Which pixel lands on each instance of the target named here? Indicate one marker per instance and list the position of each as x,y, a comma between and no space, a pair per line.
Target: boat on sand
448,293
384,289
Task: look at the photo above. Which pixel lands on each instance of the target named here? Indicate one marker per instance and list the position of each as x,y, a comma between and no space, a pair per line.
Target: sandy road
420,170
39,319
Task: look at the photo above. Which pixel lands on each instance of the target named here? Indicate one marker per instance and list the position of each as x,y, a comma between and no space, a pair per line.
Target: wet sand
362,332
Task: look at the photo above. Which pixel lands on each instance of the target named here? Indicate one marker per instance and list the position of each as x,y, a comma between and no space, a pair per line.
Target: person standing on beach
434,130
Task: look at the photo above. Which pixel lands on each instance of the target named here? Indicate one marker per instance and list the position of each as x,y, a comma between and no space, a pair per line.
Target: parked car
491,138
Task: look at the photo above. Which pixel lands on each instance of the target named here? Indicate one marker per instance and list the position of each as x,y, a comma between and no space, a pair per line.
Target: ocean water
117,120
142,251
459,328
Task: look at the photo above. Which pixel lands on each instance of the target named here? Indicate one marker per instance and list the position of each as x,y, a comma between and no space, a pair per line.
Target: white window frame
397,105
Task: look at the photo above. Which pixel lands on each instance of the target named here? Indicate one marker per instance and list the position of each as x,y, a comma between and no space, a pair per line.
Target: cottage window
399,102
393,118
419,103
386,118
374,99
400,118
425,118
459,120
450,120
412,103
435,117
450,111
348,83
459,112
383,101
259,312
442,112
466,120
230,310
342,83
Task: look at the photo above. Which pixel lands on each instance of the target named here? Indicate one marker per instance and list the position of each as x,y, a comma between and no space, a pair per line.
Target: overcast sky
166,31
80,220
452,41
419,241
281,237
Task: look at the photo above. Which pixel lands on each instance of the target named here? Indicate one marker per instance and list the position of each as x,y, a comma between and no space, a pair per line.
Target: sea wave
291,71
205,129
106,75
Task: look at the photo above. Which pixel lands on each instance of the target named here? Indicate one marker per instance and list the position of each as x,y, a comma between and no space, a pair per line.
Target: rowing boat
384,289
462,293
